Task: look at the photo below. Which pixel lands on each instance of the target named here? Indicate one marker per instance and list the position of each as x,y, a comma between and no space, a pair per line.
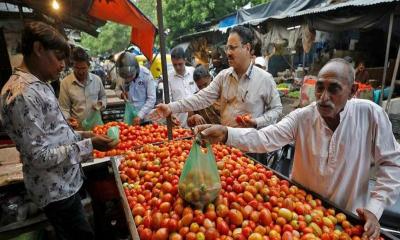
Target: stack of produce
253,203
135,136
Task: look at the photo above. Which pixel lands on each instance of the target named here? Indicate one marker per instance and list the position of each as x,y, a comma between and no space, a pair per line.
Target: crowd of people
337,138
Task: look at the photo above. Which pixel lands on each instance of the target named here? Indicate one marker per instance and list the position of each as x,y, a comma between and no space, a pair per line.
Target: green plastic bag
93,120
199,183
113,133
130,113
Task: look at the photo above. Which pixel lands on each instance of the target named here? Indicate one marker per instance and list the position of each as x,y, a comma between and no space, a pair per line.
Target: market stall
253,202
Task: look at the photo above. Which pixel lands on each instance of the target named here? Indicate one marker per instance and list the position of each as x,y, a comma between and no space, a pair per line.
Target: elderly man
337,139
241,89
81,92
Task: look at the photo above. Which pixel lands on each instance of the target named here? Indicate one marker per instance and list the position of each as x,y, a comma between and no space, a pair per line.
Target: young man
240,89
81,92
211,114
180,81
51,151
136,84
336,139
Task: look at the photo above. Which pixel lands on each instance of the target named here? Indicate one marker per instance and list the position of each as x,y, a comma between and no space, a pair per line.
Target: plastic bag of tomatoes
199,183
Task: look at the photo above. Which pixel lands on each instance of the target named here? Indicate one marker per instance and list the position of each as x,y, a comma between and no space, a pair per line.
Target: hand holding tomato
212,132
73,122
195,120
371,226
137,120
162,110
246,121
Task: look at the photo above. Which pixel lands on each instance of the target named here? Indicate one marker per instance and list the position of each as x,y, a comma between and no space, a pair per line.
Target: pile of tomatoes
134,136
253,204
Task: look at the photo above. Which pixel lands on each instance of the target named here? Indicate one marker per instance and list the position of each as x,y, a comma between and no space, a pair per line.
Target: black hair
80,55
245,34
200,72
178,53
47,35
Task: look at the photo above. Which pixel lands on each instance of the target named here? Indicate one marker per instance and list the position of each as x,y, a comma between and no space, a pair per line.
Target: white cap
260,61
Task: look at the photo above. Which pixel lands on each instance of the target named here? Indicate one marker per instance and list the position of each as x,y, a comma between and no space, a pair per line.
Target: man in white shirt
180,81
337,139
241,89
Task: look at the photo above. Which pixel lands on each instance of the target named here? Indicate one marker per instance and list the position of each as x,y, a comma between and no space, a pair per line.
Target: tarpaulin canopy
125,12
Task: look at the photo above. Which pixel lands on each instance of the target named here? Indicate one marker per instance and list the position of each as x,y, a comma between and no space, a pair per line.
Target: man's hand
73,122
86,134
371,226
195,120
248,123
97,106
175,121
137,120
124,96
212,132
161,111
103,142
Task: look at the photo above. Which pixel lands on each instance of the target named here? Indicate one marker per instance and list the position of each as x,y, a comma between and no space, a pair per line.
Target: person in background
337,138
240,89
51,151
81,92
135,84
261,63
211,114
219,61
362,75
180,82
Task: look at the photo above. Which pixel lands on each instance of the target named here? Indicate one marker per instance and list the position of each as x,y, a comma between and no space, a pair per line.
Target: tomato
146,234
187,220
172,225
255,236
222,210
265,217
175,236
222,226
211,234
165,207
235,217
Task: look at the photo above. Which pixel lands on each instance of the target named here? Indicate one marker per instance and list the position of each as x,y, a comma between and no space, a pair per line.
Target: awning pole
386,57
164,62
396,68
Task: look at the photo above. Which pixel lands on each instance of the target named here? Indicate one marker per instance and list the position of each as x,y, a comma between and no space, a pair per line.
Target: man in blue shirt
136,85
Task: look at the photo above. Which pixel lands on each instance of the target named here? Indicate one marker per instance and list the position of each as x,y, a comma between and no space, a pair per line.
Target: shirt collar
88,80
184,75
27,77
248,72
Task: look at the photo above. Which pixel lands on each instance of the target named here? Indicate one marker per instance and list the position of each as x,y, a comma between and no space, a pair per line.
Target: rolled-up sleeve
387,160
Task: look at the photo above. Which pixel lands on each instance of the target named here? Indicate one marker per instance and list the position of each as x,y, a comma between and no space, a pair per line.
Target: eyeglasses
232,48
